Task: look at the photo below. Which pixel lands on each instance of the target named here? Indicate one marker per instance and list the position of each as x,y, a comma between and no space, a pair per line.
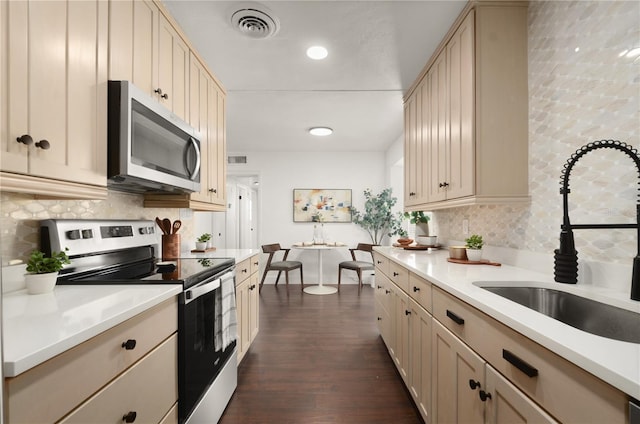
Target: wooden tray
210,249
420,247
468,262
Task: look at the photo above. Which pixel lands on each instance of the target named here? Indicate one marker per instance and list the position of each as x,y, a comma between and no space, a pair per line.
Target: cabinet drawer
148,389
568,392
399,275
381,262
255,263
243,270
420,291
456,315
65,381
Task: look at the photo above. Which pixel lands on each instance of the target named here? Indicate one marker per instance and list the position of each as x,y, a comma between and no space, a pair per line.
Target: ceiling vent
255,21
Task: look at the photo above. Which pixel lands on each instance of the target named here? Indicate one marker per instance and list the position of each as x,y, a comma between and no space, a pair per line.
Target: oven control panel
82,237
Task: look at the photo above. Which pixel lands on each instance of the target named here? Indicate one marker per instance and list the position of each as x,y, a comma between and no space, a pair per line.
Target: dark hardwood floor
318,359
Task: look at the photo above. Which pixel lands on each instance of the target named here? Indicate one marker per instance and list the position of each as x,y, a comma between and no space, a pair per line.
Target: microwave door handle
196,168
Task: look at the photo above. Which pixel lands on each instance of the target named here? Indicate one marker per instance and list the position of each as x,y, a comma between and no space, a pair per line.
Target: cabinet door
254,307
14,95
410,151
400,319
438,129
420,358
217,148
382,296
57,77
198,118
173,69
508,405
133,43
460,77
242,310
454,365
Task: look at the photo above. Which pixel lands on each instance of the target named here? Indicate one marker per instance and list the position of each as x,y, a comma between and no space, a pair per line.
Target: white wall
281,172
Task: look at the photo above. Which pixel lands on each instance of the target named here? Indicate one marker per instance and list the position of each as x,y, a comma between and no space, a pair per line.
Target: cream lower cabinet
462,366
248,307
105,378
454,366
53,100
420,357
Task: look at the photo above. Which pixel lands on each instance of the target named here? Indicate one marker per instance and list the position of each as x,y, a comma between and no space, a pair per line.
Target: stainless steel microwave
150,149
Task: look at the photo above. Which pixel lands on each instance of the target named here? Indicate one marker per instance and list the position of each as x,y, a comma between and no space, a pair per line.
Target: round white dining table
320,248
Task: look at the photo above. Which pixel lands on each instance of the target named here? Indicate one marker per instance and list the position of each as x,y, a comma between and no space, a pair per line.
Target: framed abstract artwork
321,205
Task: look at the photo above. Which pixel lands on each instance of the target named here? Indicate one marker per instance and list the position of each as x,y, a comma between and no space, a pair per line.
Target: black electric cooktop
187,271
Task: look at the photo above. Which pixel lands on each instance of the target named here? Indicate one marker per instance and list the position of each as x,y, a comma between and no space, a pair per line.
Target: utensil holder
170,246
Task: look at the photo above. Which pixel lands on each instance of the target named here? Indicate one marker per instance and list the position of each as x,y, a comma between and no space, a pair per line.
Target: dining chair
355,264
283,265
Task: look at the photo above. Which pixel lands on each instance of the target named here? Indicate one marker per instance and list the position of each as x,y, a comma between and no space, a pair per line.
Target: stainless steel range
124,252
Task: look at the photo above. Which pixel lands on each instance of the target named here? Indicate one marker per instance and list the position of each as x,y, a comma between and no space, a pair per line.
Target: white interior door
232,218
244,216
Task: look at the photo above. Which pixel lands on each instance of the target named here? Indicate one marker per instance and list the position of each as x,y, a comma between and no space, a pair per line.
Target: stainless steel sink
585,314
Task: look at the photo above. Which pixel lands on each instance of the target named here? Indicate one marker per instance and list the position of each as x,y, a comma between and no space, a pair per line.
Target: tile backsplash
582,88
21,213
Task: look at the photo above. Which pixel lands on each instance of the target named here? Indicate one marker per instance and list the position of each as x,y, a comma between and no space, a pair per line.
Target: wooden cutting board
468,262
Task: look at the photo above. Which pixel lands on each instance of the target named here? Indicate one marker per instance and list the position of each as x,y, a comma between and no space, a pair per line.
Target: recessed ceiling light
317,52
320,131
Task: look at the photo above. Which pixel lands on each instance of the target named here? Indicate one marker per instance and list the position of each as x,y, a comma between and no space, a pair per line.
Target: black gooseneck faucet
566,257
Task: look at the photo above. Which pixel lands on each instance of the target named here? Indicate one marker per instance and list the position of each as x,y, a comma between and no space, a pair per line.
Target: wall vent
236,159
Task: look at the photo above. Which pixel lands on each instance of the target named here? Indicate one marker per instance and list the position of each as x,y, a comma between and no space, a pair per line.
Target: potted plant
42,272
474,247
421,221
398,228
201,242
377,218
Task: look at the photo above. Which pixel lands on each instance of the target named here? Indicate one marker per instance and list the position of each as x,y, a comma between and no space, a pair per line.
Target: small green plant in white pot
42,272
474,247
201,242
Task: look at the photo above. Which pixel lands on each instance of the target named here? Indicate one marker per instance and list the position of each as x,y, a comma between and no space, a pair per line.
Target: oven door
207,333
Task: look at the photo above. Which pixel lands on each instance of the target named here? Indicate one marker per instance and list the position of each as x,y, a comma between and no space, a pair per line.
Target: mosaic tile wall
19,216
581,89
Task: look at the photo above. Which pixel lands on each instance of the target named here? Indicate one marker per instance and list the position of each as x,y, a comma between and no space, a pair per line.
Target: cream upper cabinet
133,43
207,116
54,55
474,116
146,49
173,69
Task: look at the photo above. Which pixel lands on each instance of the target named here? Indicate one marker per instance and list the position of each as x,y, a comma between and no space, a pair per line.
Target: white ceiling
275,93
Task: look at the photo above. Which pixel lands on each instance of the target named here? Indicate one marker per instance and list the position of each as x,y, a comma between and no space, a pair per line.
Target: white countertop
39,327
616,362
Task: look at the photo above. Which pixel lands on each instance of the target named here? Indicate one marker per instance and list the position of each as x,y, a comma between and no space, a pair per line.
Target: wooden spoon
176,226
161,225
166,226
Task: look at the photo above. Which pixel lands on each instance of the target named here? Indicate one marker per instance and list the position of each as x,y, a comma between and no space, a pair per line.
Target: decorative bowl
458,252
427,240
405,241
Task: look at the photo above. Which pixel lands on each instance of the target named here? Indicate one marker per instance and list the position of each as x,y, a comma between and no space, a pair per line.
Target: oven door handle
206,287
